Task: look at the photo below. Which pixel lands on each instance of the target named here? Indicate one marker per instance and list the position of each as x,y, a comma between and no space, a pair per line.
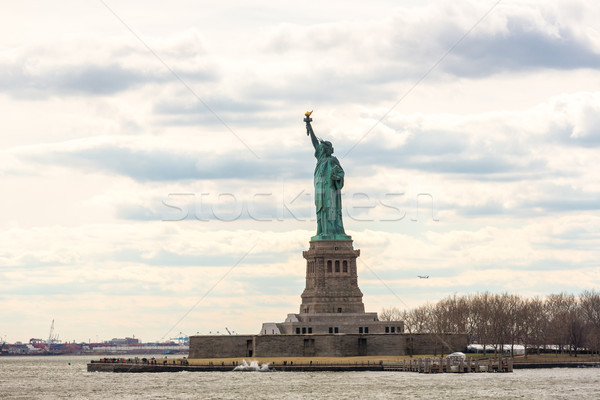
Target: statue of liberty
329,180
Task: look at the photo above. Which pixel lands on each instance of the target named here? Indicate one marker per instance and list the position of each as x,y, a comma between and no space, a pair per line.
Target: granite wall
323,345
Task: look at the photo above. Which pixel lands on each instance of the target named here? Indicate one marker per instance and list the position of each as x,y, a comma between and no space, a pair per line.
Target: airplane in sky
423,276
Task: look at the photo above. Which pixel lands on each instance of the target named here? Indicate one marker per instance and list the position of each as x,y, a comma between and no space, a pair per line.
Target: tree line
560,322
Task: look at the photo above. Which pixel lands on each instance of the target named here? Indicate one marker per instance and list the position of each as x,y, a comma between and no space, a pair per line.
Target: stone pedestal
331,278
331,301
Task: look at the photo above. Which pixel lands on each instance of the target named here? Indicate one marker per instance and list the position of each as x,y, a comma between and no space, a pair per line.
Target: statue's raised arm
329,181
309,129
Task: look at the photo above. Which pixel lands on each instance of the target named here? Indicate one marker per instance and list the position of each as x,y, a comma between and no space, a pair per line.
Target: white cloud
491,158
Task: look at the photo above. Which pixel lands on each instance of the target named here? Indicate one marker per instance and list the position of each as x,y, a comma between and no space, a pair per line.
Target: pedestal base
331,237
331,279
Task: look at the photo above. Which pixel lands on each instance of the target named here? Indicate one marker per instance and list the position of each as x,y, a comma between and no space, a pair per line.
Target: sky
157,179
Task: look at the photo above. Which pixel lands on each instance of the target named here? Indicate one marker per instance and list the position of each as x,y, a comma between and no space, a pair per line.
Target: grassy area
553,358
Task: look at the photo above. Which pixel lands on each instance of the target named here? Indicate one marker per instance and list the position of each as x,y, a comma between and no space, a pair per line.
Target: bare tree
564,329
471,321
577,331
481,310
411,325
512,310
590,312
420,319
498,319
533,323
390,314
456,313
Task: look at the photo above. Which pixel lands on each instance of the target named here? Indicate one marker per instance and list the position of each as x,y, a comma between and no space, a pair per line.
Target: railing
426,365
430,365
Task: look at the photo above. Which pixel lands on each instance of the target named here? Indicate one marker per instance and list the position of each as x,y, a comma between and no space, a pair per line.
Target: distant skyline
157,176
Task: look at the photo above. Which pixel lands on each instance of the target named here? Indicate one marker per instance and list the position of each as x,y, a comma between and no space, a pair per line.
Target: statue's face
328,148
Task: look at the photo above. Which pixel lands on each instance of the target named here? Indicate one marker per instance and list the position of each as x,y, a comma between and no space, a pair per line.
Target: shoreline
566,364
119,365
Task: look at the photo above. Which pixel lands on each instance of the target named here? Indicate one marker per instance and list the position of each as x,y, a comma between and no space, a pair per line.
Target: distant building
123,342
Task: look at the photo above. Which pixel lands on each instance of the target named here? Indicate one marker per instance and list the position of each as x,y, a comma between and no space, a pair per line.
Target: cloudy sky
157,178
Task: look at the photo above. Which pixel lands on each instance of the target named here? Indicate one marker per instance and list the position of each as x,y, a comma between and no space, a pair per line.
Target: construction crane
227,330
50,338
181,339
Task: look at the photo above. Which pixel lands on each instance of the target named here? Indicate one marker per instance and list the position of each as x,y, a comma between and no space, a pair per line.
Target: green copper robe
329,180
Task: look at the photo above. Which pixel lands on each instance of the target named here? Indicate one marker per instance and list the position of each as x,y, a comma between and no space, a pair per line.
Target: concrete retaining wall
323,345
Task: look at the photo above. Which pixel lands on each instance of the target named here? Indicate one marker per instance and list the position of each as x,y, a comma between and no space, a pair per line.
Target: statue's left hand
336,173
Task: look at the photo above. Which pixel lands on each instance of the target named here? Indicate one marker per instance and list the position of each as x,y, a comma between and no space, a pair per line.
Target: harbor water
66,377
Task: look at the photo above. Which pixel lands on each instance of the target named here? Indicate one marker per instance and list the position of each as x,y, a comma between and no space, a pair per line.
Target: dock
132,366
429,365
